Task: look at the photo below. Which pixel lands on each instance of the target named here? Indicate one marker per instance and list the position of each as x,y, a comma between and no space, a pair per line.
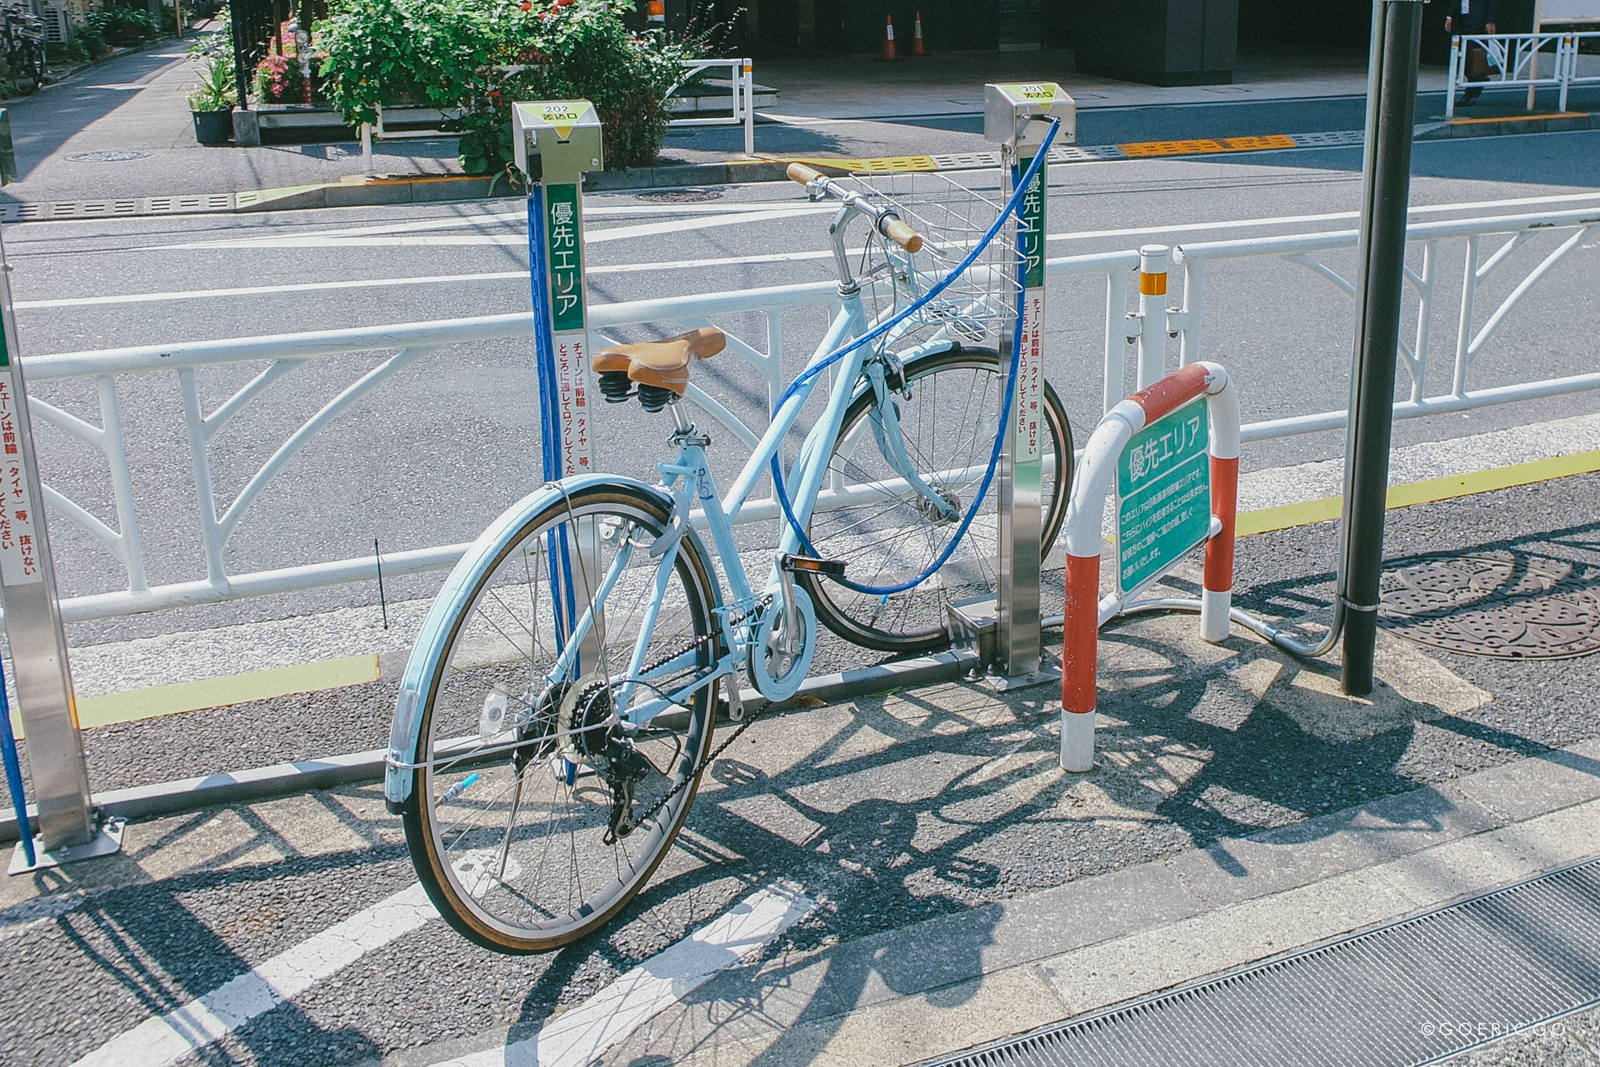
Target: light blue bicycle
557,711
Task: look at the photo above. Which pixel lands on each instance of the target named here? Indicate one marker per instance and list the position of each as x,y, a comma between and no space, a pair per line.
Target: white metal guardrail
1514,62
1487,246
741,98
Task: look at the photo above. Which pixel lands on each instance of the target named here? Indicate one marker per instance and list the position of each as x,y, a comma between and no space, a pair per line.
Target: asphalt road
433,454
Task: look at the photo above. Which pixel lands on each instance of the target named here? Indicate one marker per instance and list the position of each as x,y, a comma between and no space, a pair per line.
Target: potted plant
211,102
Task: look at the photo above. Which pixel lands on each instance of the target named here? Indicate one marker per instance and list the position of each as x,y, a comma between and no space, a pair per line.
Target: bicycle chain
686,779
744,725
683,782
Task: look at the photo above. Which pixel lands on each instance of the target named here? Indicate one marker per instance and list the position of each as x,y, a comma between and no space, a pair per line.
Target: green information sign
1030,235
565,256
1163,495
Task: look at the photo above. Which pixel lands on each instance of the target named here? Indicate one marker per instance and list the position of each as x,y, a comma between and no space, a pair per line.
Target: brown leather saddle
656,370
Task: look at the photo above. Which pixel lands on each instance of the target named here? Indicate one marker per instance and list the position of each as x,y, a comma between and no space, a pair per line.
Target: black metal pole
1391,104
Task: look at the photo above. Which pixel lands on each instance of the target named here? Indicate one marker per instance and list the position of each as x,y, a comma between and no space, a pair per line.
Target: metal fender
428,652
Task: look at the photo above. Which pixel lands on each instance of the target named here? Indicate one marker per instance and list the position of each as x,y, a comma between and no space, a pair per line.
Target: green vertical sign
1030,235
1163,495
565,245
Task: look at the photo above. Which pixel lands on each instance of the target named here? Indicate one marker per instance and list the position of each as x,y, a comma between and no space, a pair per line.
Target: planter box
213,127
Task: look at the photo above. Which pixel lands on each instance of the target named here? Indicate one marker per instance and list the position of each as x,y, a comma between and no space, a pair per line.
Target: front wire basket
952,219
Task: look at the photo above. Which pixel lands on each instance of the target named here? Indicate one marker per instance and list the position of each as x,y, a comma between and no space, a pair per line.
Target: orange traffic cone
916,37
888,38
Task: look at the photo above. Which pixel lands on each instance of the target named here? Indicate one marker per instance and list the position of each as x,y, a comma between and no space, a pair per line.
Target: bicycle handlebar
889,224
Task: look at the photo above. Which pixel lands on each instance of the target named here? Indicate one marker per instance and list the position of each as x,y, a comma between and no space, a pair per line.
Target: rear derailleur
592,736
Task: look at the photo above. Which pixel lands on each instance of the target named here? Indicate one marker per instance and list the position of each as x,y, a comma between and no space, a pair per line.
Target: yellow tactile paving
1206,146
1519,118
219,692
879,165
1424,492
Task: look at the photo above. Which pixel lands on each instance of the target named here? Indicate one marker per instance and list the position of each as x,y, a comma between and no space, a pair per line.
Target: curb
368,192
305,776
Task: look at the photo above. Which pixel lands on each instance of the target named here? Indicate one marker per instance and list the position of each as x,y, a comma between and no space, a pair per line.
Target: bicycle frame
689,480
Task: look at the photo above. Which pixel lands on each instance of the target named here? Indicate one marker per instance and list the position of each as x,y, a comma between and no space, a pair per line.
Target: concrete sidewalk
1241,808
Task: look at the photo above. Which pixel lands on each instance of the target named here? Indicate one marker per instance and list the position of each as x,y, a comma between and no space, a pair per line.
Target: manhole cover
1501,604
681,196
106,157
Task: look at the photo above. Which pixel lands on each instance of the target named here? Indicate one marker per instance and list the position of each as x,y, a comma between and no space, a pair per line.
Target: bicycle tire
948,426
517,859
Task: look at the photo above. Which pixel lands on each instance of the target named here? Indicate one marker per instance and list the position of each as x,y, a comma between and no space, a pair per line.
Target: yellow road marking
880,165
1521,118
1207,146
1425,492
219,692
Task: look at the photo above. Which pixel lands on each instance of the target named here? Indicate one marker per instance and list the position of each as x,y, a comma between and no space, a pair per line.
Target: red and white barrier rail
1086,612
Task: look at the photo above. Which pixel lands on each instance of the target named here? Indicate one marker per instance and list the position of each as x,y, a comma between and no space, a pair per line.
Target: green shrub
472,58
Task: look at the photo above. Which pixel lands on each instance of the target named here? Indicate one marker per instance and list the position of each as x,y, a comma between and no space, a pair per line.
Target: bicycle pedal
828,568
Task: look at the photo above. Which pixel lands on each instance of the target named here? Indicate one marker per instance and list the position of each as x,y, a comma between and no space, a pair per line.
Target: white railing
741,99
1514,62
1488,248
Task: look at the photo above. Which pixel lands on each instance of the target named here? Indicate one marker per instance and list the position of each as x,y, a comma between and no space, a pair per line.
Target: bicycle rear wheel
513,820
868,517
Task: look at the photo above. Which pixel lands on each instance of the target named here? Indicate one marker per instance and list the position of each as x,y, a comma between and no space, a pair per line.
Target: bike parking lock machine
555,142
1018,116
563,136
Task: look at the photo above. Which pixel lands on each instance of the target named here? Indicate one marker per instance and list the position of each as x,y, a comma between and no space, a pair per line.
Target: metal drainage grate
1408,993
1501,604
197,204
681,196
107,157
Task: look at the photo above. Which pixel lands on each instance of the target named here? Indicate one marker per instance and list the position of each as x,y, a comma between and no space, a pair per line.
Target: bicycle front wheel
525,779
884,530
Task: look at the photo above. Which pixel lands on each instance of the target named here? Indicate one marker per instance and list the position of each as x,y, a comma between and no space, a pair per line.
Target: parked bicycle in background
24,48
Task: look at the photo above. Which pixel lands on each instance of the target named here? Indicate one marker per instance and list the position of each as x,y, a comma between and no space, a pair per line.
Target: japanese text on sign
19,545
1163,495
573,397
565,257
1030,232
1030,378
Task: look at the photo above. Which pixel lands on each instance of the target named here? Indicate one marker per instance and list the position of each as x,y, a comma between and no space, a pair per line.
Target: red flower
526,5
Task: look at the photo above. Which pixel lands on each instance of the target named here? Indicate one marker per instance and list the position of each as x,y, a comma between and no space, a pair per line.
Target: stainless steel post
1017,117
564,136
38,644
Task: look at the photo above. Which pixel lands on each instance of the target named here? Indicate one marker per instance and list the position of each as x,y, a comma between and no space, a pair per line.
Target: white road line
261,290
159,1041
408,240
440,279
332,239
581,1036
500,218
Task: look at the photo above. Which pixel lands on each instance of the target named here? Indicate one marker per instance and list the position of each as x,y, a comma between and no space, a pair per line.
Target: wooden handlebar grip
902,235
803,174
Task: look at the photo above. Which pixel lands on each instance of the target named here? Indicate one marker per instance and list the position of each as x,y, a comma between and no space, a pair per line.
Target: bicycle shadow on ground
1200,746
